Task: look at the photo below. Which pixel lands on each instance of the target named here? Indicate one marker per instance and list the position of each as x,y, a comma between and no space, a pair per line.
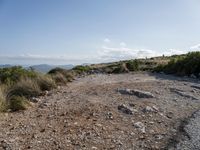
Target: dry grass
59,79
45,82
25,87
62,76
17,103
3,105
15,97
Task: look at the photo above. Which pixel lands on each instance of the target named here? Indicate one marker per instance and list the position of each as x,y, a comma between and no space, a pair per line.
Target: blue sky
92,31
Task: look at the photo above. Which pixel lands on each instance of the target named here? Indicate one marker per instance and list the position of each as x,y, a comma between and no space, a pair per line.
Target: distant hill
5,66
44,68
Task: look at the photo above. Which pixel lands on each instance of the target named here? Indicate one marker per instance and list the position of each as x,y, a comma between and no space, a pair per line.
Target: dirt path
89,114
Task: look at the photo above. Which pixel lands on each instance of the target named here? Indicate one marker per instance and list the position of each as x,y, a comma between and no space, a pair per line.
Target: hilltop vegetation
18,85
183,65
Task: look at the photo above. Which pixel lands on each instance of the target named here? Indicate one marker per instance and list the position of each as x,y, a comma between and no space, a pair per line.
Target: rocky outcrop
138,93
184,94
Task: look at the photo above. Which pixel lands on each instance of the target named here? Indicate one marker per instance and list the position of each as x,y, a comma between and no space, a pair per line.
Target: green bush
132,65
121,68
13,74
183,65
81,69
58,70
18,85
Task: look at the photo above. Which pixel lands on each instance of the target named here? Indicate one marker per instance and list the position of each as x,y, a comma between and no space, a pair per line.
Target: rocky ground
139,111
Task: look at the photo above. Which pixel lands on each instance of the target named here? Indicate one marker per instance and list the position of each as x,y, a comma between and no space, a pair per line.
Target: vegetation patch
132,65
45,82
14,74
184,65
3,105
25,87
61,76
17,103
121,68
81,69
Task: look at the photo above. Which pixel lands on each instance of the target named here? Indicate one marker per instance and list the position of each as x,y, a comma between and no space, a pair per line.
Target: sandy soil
85,114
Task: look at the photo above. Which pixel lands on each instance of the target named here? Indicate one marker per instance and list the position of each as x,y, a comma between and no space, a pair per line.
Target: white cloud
106,40
195,47
174,52
122,53
122,44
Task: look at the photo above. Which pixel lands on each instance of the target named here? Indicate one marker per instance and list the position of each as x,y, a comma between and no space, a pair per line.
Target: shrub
159,68
59,79
13,74
45,82
121,68
133,65
62,75
58,70
25,87
81,69
18,103
183,65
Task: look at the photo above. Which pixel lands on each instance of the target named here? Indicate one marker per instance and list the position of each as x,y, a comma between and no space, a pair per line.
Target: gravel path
91,113
190,139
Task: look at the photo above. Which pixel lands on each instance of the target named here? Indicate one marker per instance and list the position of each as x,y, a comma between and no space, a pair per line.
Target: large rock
138,93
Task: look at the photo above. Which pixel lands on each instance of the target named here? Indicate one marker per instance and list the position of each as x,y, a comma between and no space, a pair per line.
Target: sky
94,31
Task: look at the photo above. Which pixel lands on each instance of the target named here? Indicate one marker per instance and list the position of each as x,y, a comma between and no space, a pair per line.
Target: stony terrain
126,111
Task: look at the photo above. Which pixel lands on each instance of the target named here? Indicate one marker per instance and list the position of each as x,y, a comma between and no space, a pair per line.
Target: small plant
17,103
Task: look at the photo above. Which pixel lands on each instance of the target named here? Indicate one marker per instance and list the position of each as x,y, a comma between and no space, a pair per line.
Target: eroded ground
85,114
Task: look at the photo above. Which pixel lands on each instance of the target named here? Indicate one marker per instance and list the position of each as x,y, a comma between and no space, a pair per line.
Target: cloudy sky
92,31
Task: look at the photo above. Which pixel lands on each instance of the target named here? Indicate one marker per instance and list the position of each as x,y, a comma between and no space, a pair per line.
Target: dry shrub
17,103
62,76
59,79
25,87
3,105
45,82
